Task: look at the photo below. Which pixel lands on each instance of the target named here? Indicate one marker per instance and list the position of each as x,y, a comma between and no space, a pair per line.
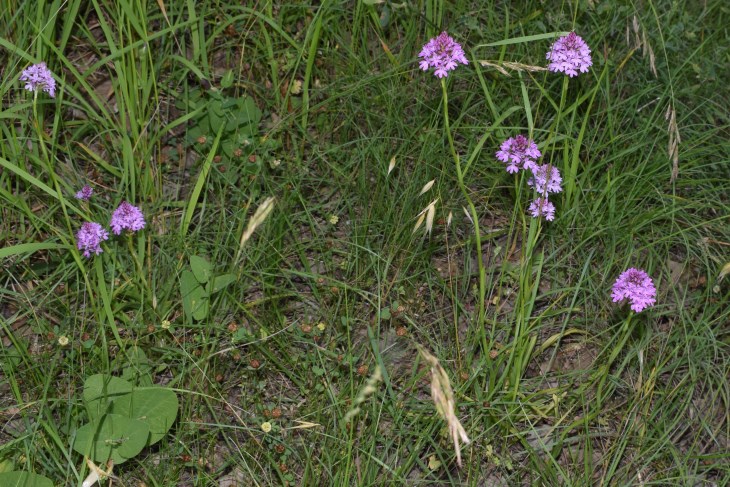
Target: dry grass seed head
391,165
443,399
369,388
257,219
428,215
674,140
519,67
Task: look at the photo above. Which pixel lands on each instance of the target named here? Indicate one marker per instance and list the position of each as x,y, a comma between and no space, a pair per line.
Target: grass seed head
443,398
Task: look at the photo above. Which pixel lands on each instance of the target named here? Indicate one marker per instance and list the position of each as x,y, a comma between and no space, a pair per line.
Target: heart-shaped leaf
155,406
194,296
117,437
248,112
218,283
100,390
201,308
201,268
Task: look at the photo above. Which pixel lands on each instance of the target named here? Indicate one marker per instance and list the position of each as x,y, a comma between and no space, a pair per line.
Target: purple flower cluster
91,234
546,179
89,238
636,286
39,77
127,217
542,207
521,153
517,151
569,54
443,54
85,193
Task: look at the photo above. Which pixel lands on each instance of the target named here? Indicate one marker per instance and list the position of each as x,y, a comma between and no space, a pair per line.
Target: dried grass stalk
262,212
674,140
369,388
427,214
443,399
427,186
391,165
641,41
513,66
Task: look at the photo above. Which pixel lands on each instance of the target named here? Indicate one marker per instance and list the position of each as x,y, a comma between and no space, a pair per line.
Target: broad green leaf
248,112
24,479
227,79
117,437
100,390
156,406
194,296
218,283
216,115
194,134
229,103
231,123
385,313
227,147
201,268
201,308
6,465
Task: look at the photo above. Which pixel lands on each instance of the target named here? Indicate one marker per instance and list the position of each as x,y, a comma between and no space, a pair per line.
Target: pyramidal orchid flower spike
85,193
39,77
127,217
443,54
518,151
546,179
570,55
636,286
542,207
89,238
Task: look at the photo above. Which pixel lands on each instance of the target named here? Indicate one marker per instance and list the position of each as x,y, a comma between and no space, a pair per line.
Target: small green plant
123,418
198,284
387,312
237,116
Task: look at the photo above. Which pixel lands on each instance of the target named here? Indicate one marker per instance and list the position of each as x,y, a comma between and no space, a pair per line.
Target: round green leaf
6,465
156,406
100,390
201,268
116,437
194,296
201,308
218,283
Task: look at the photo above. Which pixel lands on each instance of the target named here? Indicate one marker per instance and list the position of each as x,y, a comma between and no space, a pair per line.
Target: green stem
563,96
523,344
48,160
606,367
138,264
475,220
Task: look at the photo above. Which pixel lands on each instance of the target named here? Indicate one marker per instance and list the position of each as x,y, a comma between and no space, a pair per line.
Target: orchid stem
474,217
